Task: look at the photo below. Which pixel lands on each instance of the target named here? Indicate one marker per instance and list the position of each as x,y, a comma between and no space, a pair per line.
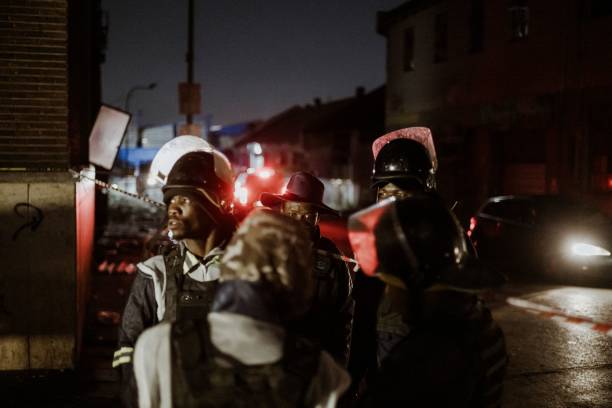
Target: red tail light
473,223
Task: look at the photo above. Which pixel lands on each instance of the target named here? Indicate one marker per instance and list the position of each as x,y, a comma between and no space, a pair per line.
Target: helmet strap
430,181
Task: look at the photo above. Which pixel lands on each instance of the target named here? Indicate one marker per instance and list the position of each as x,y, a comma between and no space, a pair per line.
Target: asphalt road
553,362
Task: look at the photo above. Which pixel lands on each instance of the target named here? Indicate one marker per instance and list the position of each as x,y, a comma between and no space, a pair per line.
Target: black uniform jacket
453,355
330,319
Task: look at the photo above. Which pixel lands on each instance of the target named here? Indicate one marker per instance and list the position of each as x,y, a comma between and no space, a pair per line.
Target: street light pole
133,89
128,97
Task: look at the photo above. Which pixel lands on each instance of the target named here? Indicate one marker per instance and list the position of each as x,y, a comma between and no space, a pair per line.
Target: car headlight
584,249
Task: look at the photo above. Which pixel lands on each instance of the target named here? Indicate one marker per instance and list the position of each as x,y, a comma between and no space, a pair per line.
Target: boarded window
519,19
408,55
441,38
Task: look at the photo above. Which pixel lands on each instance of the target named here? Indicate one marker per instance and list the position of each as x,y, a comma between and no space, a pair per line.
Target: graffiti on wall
33,218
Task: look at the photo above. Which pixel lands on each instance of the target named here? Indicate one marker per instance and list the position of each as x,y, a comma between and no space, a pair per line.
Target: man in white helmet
180,283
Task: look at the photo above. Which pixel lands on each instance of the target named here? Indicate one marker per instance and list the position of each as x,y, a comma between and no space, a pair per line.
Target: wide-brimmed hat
302,187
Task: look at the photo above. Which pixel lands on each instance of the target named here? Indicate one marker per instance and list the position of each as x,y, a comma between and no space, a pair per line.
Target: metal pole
189,56
133,123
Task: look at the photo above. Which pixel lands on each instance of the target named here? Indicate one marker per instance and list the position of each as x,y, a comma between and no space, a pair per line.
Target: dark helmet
401,161
415,243
207,175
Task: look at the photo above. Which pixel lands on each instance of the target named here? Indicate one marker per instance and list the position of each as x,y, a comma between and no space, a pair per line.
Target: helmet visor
361,226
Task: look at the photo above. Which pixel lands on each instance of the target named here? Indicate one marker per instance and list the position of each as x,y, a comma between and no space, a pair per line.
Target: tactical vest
204,377
185,298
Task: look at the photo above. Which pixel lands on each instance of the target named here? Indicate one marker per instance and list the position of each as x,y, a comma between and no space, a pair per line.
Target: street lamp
133,89
133,125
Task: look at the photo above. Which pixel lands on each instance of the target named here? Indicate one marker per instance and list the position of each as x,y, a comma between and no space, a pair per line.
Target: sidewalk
56,389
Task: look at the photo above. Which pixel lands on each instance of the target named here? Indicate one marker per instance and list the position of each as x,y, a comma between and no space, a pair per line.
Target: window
601,8
409,49
441,38
492,209
517,211
476,24
519,19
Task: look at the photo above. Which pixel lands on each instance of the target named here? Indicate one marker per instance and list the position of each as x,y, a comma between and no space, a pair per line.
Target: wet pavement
555,363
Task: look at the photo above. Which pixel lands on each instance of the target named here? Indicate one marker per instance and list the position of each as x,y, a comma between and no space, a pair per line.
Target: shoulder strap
174,268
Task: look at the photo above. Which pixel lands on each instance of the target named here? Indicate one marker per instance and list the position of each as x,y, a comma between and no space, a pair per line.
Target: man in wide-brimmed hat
330,319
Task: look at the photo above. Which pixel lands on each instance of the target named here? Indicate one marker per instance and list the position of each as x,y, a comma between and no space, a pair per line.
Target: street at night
353,204
555,362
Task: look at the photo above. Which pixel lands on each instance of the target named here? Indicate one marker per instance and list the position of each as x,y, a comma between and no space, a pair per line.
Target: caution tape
341,257
114,187
337,256
147,200
561,316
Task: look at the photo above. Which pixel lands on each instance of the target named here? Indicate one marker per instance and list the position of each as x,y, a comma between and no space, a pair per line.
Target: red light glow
473,223
265,172
609,182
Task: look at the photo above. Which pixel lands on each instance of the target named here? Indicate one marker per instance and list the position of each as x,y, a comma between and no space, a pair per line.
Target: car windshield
567,211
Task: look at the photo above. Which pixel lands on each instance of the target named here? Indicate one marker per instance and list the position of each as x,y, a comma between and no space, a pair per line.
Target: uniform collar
192,260
200,269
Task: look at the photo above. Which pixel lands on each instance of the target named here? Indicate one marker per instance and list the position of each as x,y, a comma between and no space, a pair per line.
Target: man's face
392,190
187,219
304,212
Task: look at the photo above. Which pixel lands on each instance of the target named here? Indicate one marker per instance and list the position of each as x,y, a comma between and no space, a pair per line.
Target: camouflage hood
266,269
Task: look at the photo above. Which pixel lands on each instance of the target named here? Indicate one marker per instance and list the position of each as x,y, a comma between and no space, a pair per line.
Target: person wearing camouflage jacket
244,353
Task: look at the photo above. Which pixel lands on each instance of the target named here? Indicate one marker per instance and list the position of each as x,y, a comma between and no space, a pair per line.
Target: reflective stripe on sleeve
123,356
122,360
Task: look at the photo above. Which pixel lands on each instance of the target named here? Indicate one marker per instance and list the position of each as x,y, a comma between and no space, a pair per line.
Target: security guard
331,316
404,162
447,350
180,283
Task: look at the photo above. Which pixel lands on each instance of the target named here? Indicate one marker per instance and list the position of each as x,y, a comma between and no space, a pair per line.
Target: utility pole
189,91
189,56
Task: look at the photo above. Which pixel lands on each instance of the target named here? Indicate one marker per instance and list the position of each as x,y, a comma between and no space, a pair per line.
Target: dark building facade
49,96
517,93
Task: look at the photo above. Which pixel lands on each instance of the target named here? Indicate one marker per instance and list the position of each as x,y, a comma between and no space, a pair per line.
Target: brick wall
33,85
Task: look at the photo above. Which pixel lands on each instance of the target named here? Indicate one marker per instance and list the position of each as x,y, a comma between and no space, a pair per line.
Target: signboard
106,136
189,98
194,129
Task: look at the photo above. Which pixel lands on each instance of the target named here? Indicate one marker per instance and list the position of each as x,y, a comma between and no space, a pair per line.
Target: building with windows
516,92
331,139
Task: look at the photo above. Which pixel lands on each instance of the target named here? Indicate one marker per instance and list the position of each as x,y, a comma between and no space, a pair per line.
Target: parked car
544,235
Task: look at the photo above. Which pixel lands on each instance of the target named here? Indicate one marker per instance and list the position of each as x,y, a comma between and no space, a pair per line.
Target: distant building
224,137
330,139
517,93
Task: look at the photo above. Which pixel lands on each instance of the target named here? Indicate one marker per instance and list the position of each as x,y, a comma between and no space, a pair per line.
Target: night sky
253,58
